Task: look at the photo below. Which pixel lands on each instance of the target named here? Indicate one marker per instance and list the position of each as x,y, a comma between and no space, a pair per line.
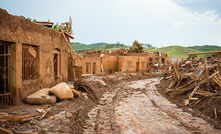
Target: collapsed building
32,56
35,56
110,62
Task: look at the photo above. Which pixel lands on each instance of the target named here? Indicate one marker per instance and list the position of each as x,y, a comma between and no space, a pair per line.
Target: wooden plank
205,93
194,91
215,113
25,116
219,67
68,34
176,70
206,73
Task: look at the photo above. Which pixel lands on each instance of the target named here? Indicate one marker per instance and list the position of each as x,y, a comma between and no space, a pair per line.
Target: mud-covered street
126,103
137,107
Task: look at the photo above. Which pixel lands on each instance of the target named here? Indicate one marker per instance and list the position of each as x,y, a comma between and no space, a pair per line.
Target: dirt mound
196,83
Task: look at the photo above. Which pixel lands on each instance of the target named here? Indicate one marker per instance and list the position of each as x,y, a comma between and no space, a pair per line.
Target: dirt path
137,107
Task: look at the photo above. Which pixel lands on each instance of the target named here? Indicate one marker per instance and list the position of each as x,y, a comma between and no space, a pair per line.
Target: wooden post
206,73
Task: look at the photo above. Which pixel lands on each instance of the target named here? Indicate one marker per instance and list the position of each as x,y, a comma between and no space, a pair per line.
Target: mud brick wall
91,65
110,64
18,31
128,63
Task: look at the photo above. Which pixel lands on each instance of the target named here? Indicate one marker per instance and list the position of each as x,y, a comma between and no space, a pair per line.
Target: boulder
62,91
41,97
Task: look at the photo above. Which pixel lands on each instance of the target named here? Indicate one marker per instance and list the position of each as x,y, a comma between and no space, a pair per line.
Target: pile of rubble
64,111
196,83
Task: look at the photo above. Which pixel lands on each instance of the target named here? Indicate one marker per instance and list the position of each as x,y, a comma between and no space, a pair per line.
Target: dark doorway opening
55,65
137,66
5,94
88,68
94,68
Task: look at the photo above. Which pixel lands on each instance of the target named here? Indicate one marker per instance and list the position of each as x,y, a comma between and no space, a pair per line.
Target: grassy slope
79,47
172,51
206,48
175,51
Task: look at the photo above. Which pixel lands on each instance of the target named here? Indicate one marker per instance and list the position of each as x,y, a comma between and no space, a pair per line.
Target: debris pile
196,83
67,114
136,48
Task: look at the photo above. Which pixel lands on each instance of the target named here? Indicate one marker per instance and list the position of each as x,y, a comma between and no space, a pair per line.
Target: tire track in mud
137,107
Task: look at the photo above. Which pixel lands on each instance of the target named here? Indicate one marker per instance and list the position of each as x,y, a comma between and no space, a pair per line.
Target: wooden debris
25,116
206,73
215,113
194,91
5,131
196,79
43,115
186,102
205,93
78,93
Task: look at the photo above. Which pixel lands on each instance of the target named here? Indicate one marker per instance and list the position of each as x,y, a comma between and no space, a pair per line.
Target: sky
157,22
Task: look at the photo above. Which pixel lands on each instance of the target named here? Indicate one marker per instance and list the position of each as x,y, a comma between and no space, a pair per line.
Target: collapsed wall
34,57
108,62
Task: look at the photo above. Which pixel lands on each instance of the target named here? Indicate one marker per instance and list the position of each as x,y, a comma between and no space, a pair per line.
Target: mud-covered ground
129,103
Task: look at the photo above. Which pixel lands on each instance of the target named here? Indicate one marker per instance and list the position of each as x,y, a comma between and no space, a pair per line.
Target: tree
56,26
148,46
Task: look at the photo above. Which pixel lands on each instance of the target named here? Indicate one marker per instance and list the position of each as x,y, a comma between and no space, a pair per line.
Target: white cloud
160,22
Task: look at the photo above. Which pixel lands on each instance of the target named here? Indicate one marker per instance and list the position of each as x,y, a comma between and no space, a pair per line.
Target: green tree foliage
56,26
117,45
148,46
33,20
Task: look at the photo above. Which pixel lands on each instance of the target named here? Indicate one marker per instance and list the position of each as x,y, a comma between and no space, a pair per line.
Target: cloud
159,22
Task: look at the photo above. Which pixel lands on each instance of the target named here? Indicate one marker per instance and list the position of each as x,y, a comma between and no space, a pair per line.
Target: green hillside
172,51
79,47
206,48
175,51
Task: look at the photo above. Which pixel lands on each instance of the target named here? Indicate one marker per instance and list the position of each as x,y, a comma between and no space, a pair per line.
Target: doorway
94,68
5,93
137,66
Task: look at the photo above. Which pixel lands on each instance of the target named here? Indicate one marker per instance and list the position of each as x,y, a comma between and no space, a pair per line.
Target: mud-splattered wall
46,45
132,62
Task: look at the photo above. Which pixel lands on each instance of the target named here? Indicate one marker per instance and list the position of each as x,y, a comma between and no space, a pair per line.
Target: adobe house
132,62
32,56
143,62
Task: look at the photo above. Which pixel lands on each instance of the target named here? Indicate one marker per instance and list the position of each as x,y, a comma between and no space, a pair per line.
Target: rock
186,102
68,114
41,97
62,91
101,81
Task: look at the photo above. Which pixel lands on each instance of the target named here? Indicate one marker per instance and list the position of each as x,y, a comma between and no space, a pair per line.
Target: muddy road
137,107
